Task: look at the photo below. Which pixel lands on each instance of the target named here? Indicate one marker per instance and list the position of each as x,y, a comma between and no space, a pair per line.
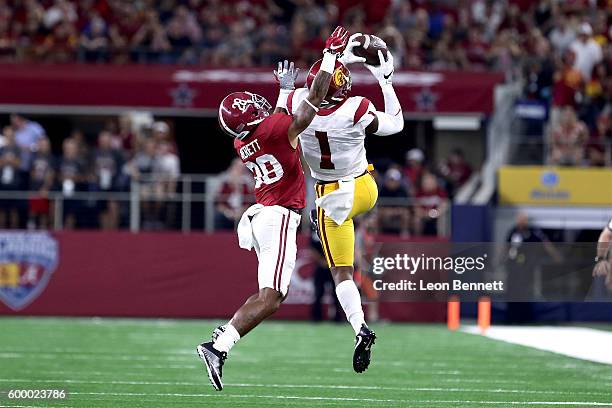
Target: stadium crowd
412,196
108,165
561,50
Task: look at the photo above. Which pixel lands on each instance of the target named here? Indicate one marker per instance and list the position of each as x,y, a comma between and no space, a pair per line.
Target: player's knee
341,273
271,298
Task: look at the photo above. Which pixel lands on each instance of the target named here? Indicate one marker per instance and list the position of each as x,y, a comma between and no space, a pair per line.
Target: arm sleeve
390,121
295,98
610,224
365,113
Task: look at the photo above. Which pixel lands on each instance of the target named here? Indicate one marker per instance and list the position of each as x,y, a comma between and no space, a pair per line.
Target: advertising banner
191,89
151,274
563,186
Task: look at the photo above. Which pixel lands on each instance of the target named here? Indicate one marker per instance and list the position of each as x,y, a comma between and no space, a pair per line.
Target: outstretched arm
285,75
390,121
305,113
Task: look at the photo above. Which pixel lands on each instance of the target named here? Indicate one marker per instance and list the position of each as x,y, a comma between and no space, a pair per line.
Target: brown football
368,47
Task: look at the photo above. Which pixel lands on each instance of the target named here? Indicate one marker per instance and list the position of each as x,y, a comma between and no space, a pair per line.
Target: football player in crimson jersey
333,147
267,143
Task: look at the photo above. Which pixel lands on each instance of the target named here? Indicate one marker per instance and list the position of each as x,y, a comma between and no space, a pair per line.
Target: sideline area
577,342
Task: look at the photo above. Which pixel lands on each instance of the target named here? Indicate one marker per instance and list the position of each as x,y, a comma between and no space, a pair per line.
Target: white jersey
333,144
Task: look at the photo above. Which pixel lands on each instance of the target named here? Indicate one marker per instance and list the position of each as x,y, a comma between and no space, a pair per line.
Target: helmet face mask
241,112
339,86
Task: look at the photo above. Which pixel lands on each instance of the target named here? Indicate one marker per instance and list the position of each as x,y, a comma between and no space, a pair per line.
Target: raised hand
336,43
347,56
286,75
383,72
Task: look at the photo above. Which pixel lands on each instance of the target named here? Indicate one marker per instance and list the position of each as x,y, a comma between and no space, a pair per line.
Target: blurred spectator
452,34
588,51
568,82
107,163
72,178
27,135
568,139
393,211
414,166
167,170
431,204
599,148
42,173
562,35
95,40
60,44
4,139
140,169
455,170
234,195
121,133
524,254
539,71
11,179
60,11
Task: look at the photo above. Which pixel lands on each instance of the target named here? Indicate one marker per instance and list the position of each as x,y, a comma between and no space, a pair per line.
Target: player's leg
341,256
275,231
339,247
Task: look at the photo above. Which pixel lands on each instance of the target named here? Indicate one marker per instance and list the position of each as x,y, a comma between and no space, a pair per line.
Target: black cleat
363,343
213,360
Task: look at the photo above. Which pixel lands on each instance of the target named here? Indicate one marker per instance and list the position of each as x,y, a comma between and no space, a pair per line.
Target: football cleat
363,344
213,360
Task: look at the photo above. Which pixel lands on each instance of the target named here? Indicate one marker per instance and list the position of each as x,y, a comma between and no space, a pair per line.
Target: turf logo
27,261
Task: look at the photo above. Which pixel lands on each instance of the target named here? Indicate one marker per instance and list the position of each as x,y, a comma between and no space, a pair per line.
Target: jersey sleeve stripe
361,110
290,102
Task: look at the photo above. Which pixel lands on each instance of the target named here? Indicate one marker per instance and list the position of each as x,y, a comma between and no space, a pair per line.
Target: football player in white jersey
333,146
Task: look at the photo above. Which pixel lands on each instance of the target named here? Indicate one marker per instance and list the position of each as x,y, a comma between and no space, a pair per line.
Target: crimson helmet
241,112
340,84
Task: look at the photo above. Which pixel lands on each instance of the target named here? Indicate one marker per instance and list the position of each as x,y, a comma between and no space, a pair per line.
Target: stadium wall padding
168,274
471,223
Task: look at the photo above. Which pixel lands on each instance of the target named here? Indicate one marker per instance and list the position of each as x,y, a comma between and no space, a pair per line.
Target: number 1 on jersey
326,162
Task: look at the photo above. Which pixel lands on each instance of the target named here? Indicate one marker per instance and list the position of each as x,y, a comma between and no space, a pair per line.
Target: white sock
227,339
350,300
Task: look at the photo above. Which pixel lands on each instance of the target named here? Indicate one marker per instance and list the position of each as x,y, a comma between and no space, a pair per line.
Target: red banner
148,275
193,90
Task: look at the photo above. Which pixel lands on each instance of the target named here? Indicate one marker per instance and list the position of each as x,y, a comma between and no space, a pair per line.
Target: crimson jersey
275,164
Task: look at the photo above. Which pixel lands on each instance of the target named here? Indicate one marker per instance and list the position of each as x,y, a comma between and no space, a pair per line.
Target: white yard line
31,406
313,386
290,397
577,342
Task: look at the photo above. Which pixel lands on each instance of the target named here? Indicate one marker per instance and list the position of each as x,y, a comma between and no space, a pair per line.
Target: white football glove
383,72
348,57
286,74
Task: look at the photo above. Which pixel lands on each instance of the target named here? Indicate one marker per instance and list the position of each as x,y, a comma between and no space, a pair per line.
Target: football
368,47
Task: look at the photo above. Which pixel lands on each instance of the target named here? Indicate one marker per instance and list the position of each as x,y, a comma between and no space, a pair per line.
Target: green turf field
151,363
